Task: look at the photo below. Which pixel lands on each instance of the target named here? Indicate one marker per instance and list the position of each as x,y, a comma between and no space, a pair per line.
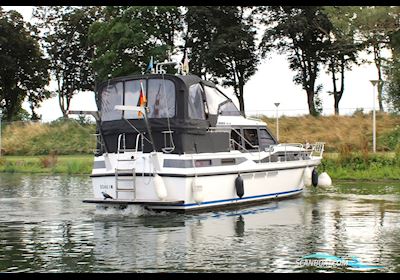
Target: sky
272,83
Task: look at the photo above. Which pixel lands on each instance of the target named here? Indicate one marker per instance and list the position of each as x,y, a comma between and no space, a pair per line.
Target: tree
392,85
301,34
342,49
23,69
129,36
65,38
375,24
222,44
200,30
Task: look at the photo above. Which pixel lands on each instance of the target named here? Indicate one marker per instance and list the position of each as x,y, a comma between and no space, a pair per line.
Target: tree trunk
61,102
378,64
240,97
335,97
310,101
12,104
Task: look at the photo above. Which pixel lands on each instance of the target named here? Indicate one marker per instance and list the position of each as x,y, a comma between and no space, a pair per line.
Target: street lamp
277,121
374,83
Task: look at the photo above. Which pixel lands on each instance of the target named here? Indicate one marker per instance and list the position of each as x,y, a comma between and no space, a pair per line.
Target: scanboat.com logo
326,260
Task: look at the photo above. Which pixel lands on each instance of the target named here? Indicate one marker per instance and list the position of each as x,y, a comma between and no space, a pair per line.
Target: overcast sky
273,82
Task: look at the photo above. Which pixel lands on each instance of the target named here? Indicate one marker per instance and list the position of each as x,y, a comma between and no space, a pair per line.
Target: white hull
261,181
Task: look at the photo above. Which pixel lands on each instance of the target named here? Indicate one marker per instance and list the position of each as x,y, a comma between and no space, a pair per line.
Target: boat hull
217,189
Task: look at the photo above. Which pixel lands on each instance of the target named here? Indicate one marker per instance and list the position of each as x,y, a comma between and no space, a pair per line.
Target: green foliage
61,137
392,86
65,38
390,140
341,52
221,40
63,165
358,166
300,32
23,70
375,25
129,36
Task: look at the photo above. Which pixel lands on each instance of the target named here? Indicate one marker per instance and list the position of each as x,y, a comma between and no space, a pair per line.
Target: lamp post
374,83
277,121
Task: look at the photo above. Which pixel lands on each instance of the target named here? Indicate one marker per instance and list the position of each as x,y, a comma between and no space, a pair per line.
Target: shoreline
375,168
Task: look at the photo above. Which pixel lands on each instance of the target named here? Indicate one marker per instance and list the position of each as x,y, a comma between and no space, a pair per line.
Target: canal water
44,227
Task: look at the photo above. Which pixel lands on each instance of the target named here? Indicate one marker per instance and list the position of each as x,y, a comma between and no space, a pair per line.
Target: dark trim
241,199
202,175
188,163
227,206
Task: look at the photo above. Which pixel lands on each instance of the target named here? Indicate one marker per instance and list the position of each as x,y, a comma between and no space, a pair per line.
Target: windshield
159,98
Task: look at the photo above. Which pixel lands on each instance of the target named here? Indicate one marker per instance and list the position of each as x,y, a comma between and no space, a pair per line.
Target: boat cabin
180,112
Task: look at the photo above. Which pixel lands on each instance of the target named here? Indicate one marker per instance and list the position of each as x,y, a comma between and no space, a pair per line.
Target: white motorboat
176,142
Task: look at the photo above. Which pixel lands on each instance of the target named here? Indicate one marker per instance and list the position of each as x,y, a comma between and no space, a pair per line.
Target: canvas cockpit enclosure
183,104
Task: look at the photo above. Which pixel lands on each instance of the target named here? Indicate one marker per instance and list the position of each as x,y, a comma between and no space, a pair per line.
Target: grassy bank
359,166
75,164
47,148
58,137
352,133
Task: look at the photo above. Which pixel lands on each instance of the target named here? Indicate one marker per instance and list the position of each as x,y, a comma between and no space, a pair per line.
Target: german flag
142,99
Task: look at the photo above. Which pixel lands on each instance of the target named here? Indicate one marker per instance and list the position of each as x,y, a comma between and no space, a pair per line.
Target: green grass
63,137
358,166
70,164
66,147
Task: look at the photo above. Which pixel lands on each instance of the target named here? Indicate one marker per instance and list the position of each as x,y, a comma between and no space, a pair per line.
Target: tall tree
392,85
221,40
341,52
129,36
23,69
65,38
198,34
375,24
300,33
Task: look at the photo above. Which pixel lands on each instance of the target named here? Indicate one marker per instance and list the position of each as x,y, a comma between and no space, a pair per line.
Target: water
44,227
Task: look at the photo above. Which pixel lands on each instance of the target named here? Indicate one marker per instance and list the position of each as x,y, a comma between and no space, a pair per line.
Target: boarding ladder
121,150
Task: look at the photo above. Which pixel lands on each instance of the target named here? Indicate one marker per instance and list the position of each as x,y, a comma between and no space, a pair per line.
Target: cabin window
214,98
229,109
132,94
252,138
236,139
195,103
161,98
265,138
111,96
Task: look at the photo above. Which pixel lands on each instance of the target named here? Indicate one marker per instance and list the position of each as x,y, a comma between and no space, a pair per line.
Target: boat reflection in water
194,242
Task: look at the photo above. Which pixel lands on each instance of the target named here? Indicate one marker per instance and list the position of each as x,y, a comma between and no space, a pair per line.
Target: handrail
318,147
137,142
241,136
233,141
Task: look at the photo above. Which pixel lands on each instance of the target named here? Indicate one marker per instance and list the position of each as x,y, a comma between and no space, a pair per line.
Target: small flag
142,99
185,67
150,66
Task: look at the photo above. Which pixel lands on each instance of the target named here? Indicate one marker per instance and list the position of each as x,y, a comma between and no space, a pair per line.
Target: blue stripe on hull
234,199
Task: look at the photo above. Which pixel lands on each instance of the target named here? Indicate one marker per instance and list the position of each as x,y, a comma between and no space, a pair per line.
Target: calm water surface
44,227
